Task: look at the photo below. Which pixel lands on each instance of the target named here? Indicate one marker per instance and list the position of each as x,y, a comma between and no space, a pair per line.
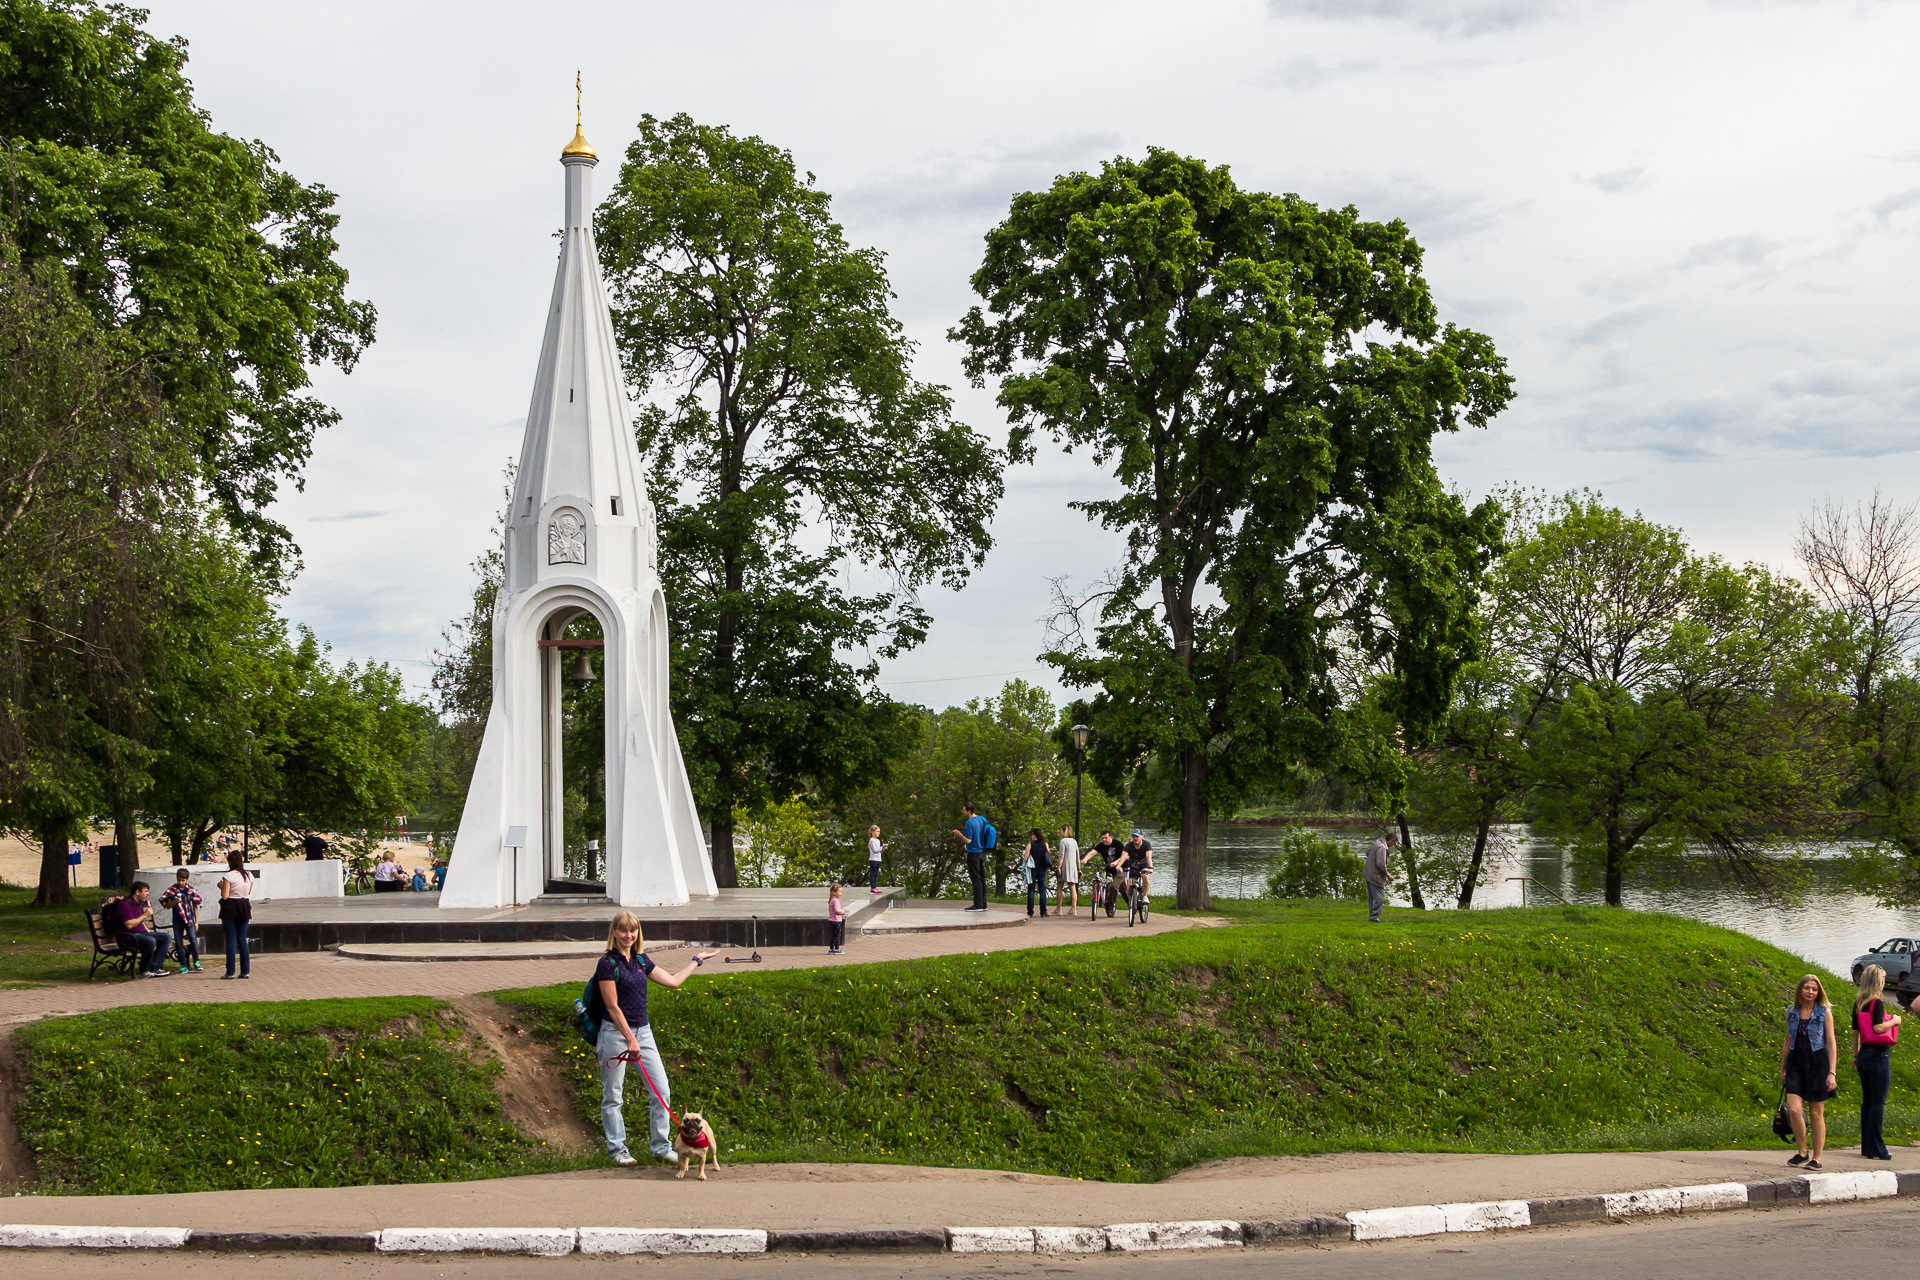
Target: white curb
1069,1240
670,1240
990,1239
1487,1215
1139,1237
1637,1204
1714,1195
28,1237
1395,1224
1852,1186
544,1242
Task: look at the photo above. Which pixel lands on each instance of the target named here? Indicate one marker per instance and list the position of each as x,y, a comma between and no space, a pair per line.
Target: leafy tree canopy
219,263
1265,378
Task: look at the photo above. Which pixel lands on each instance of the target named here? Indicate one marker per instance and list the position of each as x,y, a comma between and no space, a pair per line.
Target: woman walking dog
1808,1060
621,982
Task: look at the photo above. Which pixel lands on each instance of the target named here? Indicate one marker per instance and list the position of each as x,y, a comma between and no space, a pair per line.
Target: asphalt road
1874,1238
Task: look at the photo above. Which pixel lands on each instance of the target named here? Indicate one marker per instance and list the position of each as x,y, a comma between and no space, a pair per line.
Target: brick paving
323,975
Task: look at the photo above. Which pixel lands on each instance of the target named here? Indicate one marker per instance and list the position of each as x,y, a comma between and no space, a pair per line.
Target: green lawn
33,950
312,1093
1540,1029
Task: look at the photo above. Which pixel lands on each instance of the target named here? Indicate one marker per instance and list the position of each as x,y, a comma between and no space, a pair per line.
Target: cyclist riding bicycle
1136,862
1109,852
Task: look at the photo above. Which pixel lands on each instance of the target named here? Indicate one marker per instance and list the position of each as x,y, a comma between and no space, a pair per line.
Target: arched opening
574,752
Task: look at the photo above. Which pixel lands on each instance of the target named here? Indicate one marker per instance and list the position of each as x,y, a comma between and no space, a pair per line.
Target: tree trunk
128,839
1193,895
1413,868
1616,859
1473,867
176,841
54,890
202,832
725,874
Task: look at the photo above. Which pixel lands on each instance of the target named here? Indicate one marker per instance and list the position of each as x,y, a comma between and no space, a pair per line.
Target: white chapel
579,538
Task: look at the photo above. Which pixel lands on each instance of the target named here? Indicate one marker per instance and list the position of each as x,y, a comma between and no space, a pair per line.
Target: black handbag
1782,1124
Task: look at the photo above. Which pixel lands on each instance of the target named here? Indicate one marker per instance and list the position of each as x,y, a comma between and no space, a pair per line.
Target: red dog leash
630,1056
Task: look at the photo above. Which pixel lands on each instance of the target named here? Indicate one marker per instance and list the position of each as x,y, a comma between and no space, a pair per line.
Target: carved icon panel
567,538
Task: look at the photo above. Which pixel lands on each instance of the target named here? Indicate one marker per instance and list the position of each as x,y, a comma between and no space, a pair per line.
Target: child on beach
836,922
419,879
184,901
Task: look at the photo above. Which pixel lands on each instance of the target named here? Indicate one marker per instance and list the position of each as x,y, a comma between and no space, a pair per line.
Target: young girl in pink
836,923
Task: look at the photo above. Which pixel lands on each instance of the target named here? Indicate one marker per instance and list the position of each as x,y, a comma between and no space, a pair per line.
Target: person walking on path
1808,1059
1067,870
1039,862
1874,1032
132,919
836,922
874,850
620,983
184,901
236,912
1379,870
972,830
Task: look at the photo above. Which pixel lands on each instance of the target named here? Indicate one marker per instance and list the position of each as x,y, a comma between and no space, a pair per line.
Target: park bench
106,946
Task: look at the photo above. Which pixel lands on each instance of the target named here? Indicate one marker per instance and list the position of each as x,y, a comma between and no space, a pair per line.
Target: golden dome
579,146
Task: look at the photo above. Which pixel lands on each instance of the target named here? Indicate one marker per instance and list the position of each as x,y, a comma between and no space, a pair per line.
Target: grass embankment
313,1093
33,940
1542,1029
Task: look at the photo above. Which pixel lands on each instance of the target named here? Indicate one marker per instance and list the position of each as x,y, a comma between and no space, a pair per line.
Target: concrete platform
940,919
443,952
731,918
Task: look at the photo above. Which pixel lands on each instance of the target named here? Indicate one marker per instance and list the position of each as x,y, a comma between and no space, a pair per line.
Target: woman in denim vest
1874,1062
1808,1060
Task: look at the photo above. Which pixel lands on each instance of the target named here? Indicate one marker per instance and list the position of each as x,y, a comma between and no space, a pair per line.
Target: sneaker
1796,1160
1812,1165
227,977
625,1161
246,975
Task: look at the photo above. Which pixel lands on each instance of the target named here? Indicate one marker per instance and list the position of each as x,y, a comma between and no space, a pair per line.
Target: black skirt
1807,1070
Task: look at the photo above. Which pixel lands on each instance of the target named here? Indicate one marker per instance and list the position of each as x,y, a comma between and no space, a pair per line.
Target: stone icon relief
567,538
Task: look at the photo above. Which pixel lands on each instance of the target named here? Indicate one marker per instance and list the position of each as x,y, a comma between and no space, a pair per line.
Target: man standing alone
971,831
1379,871
316,847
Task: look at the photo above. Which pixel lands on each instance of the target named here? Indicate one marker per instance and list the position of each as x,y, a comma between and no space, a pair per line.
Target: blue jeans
236,935
186,943
613,1080
873,876
152,948
1875,1066
1037,884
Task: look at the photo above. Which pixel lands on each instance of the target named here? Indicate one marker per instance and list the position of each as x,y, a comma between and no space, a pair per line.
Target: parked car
1895,955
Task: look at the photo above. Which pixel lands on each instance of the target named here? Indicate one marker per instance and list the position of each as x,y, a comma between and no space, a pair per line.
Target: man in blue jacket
972,831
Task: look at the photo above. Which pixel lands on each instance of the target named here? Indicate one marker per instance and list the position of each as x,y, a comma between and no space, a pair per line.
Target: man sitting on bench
131,920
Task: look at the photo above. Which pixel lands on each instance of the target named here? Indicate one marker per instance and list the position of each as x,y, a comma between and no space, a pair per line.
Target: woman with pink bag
1874,1032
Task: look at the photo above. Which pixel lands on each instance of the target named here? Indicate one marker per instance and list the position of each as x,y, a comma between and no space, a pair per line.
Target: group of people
1810,1064
131,920
390,876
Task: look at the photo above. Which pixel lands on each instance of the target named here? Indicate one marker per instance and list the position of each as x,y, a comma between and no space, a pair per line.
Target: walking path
828,1197
323,975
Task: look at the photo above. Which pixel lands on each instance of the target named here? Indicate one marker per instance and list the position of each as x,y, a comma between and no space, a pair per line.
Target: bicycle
1140,901
359,877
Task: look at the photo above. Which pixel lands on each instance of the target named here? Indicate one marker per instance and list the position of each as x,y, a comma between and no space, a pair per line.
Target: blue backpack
989,836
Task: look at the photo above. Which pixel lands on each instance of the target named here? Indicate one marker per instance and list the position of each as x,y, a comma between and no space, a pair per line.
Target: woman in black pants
1807,1062
1874,1062
1041,861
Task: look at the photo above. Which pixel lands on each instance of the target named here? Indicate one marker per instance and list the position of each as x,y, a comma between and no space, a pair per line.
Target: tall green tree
781,398
89,476
1684,699
217,263
1265,378
1864,566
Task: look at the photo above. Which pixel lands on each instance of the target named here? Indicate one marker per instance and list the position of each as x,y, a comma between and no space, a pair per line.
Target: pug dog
695,1138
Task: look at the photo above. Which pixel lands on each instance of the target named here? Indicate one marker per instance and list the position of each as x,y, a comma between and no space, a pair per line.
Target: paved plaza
322,975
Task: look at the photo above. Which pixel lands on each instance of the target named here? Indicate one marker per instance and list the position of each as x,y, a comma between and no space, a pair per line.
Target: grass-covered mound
314,1093
1305,1030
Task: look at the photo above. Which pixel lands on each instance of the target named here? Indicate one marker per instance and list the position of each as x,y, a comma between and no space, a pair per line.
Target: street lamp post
1081,737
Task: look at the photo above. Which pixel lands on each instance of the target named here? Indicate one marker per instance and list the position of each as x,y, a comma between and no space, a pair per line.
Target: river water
1830,925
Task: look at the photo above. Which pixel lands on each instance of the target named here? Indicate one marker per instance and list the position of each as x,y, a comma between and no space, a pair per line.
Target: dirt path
532,1087
16,1161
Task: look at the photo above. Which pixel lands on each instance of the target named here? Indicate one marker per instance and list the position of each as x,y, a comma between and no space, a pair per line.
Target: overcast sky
1690,228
